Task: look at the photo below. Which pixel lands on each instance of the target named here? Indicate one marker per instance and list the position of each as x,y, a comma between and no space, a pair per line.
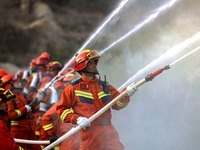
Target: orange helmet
7,81
54,66
2,73
41,61
46,55
84,57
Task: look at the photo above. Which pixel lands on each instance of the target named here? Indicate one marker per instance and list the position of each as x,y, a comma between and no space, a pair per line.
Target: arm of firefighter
64,108
120,103
35,106
48,118
15,113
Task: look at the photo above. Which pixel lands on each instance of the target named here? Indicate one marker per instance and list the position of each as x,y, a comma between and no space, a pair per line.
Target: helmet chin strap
94,73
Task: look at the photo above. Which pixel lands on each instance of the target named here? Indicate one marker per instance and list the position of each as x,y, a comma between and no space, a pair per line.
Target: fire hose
31,141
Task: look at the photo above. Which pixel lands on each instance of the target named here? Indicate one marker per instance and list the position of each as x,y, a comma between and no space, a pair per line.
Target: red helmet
2,73
7,80
46,55
54,65
41,61
84,57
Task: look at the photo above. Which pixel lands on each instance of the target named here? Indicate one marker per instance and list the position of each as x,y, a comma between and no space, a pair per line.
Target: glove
53,138
83,122
40,96
131,89
28,108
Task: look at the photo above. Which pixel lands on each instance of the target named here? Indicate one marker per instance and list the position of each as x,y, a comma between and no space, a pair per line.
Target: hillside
29,27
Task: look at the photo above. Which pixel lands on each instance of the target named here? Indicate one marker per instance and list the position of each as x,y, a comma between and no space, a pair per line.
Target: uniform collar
94,81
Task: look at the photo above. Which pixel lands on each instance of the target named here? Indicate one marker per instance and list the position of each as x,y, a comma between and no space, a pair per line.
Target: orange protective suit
84,98
45,78
52,124
22,124
7,141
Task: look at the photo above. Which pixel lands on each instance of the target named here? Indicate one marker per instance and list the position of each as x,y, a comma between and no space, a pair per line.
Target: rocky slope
29,27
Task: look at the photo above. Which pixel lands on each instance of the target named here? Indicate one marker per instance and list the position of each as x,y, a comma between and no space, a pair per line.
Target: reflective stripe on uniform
18,112
20,148
37,133
102,94
56,148
47,127
105,97
12,122
42,146
85,97
65,113
121,104
84,94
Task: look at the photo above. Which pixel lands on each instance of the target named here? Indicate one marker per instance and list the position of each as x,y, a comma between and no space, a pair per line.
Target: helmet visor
90,56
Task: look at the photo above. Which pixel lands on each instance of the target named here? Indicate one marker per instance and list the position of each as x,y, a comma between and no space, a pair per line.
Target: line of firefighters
38,121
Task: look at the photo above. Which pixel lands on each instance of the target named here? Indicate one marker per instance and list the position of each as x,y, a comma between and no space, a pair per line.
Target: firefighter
22,124
7,141
52,124
87,95
44,96
38,66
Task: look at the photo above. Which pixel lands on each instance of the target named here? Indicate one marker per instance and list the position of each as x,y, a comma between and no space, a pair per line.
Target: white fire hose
31,141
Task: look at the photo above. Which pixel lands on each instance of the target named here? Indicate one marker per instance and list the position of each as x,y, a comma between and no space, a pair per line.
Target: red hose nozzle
149,77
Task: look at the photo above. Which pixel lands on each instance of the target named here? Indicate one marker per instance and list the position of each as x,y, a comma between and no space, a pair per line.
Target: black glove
53,138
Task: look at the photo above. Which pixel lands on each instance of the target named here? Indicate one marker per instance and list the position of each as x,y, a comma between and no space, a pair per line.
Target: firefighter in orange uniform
22,125
87,95
52,70
7,141
54,126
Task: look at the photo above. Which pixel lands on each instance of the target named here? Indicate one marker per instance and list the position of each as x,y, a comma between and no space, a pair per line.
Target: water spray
173,51
194,50
151,76
137,27
116,11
